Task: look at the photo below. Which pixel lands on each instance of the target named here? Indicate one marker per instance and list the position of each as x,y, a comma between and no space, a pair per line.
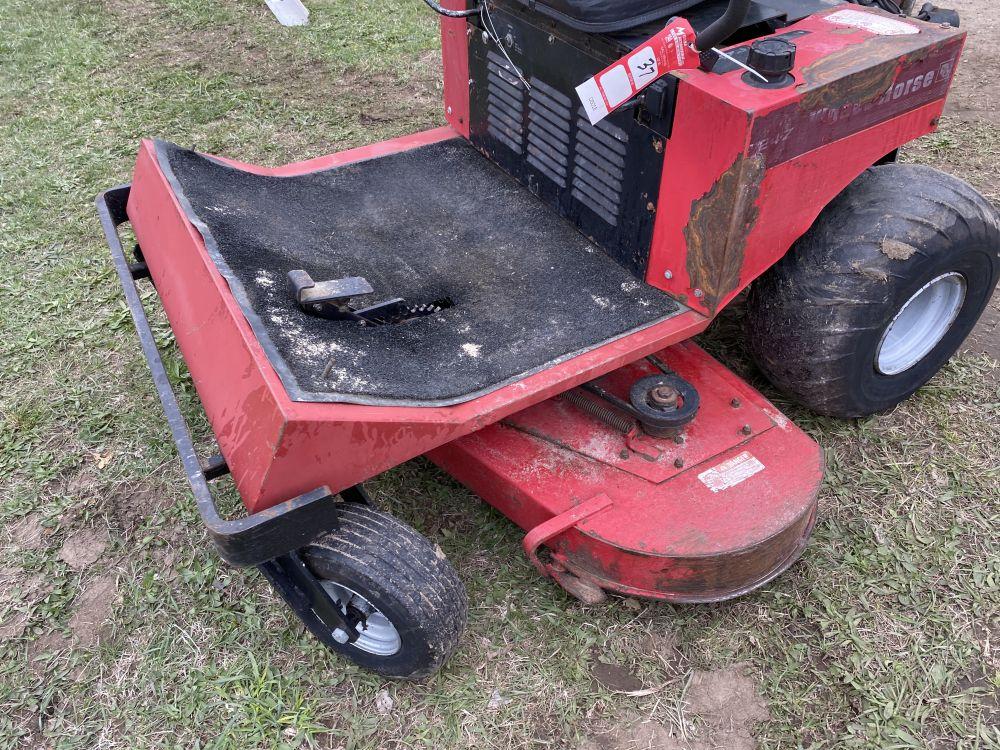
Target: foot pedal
332,300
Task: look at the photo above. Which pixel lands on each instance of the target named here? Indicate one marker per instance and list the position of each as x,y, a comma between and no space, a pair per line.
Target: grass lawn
119,626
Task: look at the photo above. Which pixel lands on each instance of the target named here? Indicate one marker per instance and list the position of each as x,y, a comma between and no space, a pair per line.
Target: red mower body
701,208
745,170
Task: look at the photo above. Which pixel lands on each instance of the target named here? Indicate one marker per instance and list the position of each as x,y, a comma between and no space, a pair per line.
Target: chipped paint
717,231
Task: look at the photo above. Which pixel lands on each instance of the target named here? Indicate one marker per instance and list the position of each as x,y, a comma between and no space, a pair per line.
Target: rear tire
375,560
879,294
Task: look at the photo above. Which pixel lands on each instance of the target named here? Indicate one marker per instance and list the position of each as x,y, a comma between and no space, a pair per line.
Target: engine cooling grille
549,131
561,143
598,168
504,103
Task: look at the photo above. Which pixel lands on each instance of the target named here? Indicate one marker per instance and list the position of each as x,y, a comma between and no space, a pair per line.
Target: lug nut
746,429
735,403
668,274
678,462
340,635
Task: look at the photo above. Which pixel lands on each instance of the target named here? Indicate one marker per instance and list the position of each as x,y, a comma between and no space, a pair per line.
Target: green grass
885,634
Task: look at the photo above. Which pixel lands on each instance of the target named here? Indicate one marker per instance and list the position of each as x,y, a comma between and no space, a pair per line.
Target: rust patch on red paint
861,73
717,231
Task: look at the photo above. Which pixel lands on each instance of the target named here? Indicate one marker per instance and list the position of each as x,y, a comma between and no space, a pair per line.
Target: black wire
436,7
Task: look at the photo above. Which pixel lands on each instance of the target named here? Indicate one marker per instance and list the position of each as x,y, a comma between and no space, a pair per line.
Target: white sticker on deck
872,22
730,473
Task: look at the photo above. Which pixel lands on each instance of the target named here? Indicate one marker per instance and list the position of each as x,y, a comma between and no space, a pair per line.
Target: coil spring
611,418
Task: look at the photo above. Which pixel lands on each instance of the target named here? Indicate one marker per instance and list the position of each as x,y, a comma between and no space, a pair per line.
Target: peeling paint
717,231
861,73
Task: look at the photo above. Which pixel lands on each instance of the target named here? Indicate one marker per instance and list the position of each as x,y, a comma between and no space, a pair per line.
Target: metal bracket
556,525
584,590
303,592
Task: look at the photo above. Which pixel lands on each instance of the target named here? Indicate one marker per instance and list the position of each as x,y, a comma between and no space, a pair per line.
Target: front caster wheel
881,291
410,600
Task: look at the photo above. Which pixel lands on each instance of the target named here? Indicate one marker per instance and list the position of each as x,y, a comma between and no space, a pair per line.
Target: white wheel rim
378,635
920,324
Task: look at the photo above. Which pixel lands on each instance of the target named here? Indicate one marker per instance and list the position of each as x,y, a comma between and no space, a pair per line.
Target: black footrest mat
437,221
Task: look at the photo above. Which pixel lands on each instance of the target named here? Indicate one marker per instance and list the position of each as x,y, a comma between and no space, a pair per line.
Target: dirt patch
896,250
721,707
975,95
44,650
91,622
19,592
84,548
614,677
132,508
728,702
28,533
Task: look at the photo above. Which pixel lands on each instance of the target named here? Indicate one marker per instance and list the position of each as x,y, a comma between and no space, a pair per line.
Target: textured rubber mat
435,221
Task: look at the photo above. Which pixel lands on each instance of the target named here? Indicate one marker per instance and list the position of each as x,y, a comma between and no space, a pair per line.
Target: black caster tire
879,294
374,560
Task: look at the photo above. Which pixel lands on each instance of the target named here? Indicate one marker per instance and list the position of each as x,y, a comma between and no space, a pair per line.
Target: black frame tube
254,539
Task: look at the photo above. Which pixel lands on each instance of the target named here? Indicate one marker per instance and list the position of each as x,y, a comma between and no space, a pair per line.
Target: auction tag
872,22
731,473
670,49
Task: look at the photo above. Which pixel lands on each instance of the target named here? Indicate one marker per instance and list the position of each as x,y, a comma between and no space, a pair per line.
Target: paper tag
731,473
671,49
872,22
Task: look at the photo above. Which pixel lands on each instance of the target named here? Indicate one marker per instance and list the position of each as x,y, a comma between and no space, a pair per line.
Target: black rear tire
816,320
405,577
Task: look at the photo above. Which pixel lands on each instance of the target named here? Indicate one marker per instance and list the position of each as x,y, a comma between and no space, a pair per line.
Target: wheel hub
376,633
920,324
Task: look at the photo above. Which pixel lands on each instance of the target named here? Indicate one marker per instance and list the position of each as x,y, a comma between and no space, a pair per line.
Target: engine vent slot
504,103
549,122
598,168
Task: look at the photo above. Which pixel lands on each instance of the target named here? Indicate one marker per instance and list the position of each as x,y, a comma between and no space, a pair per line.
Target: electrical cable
436,7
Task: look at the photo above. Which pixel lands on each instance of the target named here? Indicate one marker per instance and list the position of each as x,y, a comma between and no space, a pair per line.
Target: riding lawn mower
514,296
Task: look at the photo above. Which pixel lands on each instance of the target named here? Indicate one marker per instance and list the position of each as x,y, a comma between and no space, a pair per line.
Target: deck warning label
731,472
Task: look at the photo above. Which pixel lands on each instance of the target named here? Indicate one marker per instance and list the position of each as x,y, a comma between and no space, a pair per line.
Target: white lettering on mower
731,472
880,25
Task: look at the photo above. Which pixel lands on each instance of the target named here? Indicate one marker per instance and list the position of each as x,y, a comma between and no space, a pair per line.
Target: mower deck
710,513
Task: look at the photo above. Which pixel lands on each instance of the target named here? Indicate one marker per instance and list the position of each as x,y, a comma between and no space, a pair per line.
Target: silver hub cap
920,324
377,635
